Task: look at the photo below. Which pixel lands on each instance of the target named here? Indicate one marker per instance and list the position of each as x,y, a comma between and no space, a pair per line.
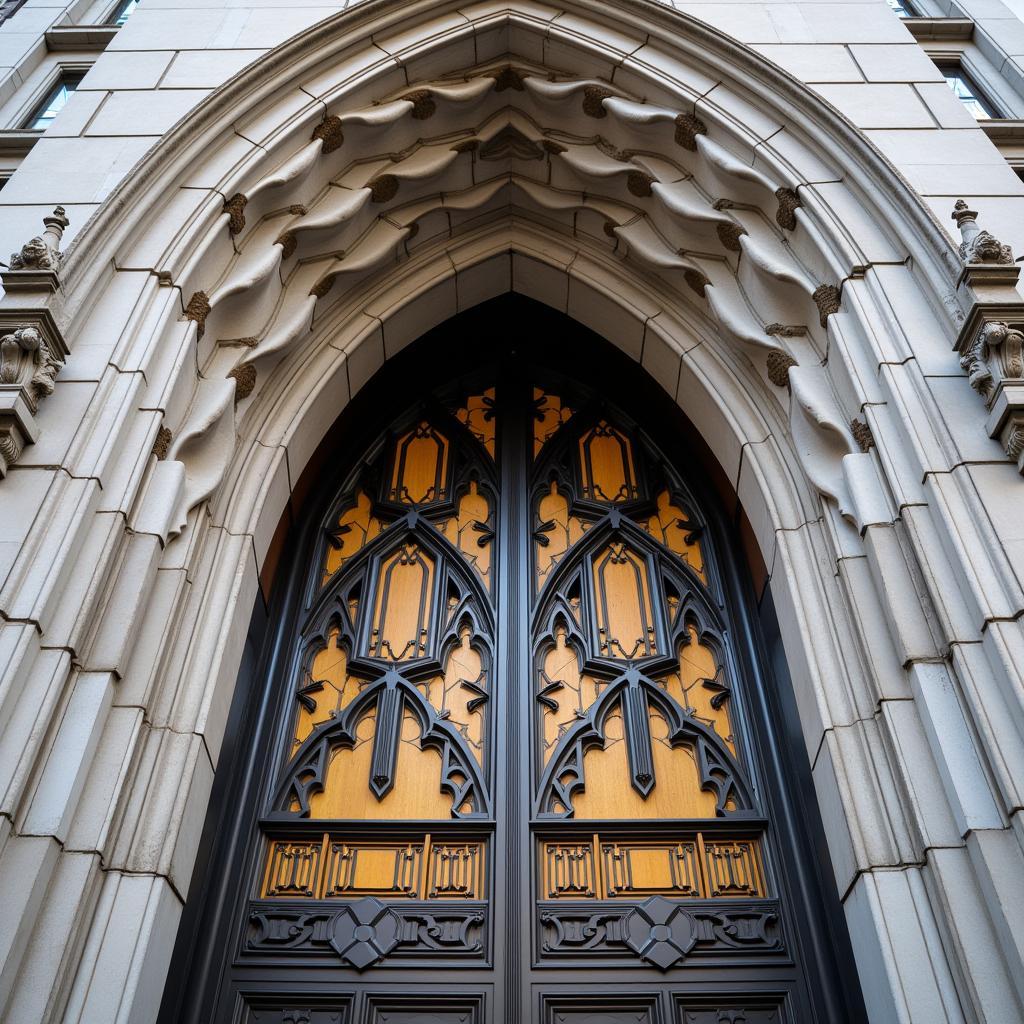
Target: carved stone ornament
779,364
245,380
423,104
826,298
593,100
992,354
862,434
32,352
365,932
688,127
43,251
660,932
978,246
235,209
329,132
789,203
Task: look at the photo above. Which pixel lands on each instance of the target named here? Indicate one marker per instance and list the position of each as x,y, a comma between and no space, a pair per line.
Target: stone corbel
32,351
991,348
991,338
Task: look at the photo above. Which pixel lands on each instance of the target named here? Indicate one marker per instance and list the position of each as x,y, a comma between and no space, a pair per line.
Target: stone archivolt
499,140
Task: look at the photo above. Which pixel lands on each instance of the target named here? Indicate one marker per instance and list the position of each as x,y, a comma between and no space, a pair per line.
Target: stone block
541,281
904,61
47,967
124,963
870,105
813,64
207,69
127,70
895,938
53,798
26,866
428,298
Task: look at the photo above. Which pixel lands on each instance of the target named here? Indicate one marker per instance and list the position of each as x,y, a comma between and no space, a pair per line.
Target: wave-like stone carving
350,201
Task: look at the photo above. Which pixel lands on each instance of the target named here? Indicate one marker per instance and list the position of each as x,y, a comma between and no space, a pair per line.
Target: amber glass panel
420,468
698,687
556,531
402,608
670,526
357,526
478,416
470,533
565,692
417,790
625,619
461,694
328,689
606,464
549,414
608,793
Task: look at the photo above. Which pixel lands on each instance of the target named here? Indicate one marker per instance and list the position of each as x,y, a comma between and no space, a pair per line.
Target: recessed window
967,92
902,9
122,12
56,100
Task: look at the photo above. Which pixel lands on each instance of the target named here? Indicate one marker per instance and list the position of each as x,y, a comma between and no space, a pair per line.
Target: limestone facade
267,200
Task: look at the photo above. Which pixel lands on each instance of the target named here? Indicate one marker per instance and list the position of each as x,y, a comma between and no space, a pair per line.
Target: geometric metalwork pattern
659,932
599,868
430,868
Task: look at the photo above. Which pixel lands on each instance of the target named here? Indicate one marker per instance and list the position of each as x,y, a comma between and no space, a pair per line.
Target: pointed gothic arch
245,373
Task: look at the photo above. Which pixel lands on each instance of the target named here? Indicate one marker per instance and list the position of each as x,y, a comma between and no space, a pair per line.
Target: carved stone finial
507,77
330,134
978,246
162,444
779,364
688,127
235,209
244,377
424,106
383,188
862,434
729,235
789,203
639,183
826,298
43,251
593,100
197,310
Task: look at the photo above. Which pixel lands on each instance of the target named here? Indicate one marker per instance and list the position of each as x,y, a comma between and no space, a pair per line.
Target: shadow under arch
520,329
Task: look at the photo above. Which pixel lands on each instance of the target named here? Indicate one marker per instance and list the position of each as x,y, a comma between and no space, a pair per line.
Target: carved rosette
992,354
31,355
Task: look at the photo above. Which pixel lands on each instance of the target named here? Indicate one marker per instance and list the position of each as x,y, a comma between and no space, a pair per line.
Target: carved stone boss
32,349
991,342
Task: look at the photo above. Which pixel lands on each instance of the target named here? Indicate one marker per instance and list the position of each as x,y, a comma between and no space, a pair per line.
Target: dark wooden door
516,761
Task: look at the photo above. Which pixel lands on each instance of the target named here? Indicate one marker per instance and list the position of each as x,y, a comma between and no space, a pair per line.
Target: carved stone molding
991,348
32,351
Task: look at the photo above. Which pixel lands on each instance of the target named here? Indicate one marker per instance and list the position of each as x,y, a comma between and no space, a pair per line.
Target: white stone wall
121,636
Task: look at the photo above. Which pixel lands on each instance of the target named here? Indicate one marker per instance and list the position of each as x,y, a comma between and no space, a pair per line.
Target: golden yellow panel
357,526
478,416
401,615
325,691
608,793
699,687
559,530
668,527
293,869
392,870
732,867
462,532
632,869
565,693
549,415
420,466
625,617
455,871
569,870
417,791
461,694
606,464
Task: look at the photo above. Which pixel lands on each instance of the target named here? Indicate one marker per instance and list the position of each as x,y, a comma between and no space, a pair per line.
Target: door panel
512,740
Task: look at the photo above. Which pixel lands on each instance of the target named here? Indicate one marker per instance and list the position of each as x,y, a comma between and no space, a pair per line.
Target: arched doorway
511,750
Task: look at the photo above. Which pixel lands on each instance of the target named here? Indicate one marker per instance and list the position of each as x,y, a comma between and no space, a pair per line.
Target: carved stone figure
26,361
43,251
978,246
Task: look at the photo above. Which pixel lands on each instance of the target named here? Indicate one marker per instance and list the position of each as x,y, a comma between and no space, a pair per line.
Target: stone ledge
940,28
